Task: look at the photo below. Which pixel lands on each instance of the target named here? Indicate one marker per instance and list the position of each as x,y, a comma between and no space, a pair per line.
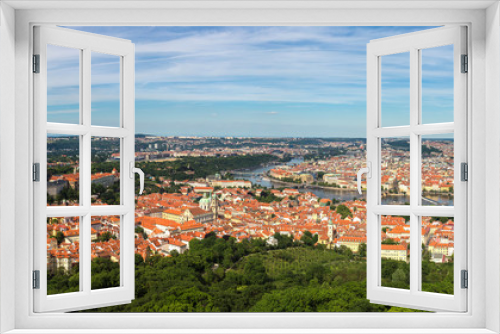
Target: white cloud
282,64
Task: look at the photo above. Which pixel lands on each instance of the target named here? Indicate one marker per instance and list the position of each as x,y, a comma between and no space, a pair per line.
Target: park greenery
404,145
322,153
327,185
191,168
344,211
267,197
222,275
67,193
288,179
108,195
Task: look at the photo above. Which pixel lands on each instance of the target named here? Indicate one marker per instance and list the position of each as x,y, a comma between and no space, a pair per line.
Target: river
257,176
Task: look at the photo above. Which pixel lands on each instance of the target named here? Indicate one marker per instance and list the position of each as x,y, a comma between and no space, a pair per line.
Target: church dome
205,202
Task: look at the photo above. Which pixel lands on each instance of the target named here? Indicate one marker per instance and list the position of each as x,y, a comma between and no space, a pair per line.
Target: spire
215,206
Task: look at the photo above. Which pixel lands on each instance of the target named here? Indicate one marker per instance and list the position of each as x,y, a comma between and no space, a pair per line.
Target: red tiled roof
393,247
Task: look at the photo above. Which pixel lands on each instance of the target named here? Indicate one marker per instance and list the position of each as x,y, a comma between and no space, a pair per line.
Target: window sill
251,331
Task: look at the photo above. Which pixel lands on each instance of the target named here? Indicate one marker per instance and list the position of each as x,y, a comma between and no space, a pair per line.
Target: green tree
343,211
254,271
362,250
443,220
223,275
315,271
399,276
138,260
105,273
284,241
309,239
105,236
59,237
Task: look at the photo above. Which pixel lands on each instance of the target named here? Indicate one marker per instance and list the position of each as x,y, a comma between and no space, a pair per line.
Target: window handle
139,171
368,171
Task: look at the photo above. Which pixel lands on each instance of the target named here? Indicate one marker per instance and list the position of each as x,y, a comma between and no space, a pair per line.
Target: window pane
395,171
105,252
437,84
63,254
437,254
63,170
63,84
105,186
105,89
395,251
437,170
395,89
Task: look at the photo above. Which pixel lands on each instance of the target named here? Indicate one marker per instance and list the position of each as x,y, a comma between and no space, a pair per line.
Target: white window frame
86,44
484,290
413,43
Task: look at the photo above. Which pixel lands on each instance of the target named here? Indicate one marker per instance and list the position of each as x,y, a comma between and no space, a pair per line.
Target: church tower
330,230
215,206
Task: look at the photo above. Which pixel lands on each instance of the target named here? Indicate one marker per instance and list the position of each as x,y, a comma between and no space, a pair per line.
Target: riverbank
442,194
258,176
315,186
245,171
309,185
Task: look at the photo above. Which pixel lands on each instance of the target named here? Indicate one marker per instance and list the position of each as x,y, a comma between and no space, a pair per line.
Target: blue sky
252,81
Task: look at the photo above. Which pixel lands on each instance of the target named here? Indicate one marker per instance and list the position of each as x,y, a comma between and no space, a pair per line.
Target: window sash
413,43
86,297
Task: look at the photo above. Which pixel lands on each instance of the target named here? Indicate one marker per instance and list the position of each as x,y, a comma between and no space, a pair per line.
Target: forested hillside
221,275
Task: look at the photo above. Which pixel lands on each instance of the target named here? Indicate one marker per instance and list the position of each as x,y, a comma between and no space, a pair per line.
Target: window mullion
390,132
414,169
405,210
86,87
66,129
100,131
85,173
85,263
85,153
66,211
434,129
392,210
